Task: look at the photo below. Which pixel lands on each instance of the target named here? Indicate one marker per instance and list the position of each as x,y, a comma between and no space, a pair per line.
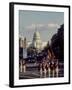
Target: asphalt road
33,72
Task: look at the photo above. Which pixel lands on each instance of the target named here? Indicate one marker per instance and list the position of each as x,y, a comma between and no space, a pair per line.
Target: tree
57,43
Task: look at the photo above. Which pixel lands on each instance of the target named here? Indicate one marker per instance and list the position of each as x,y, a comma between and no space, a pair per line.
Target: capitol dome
36,36
36,40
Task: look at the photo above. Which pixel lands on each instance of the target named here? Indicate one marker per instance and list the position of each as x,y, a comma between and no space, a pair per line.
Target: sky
45,22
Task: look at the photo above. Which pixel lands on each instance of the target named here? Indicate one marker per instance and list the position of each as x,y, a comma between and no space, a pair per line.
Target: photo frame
39,44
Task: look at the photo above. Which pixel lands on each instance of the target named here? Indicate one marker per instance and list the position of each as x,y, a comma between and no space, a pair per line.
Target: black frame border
11,42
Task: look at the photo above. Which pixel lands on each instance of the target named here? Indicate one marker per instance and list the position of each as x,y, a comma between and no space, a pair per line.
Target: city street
33,72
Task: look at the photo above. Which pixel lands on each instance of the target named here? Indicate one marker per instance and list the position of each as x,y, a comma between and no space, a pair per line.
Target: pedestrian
21,66
24,66
41,70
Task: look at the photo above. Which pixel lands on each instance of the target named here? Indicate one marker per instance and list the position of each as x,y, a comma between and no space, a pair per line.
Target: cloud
49,25
53,25
32,26
40,25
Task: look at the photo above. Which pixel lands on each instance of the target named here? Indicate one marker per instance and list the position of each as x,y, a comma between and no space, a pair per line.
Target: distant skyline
45,22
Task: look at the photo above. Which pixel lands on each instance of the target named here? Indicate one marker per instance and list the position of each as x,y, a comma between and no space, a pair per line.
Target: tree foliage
57,43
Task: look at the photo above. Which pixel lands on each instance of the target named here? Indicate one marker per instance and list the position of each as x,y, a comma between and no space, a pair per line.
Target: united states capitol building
36,43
